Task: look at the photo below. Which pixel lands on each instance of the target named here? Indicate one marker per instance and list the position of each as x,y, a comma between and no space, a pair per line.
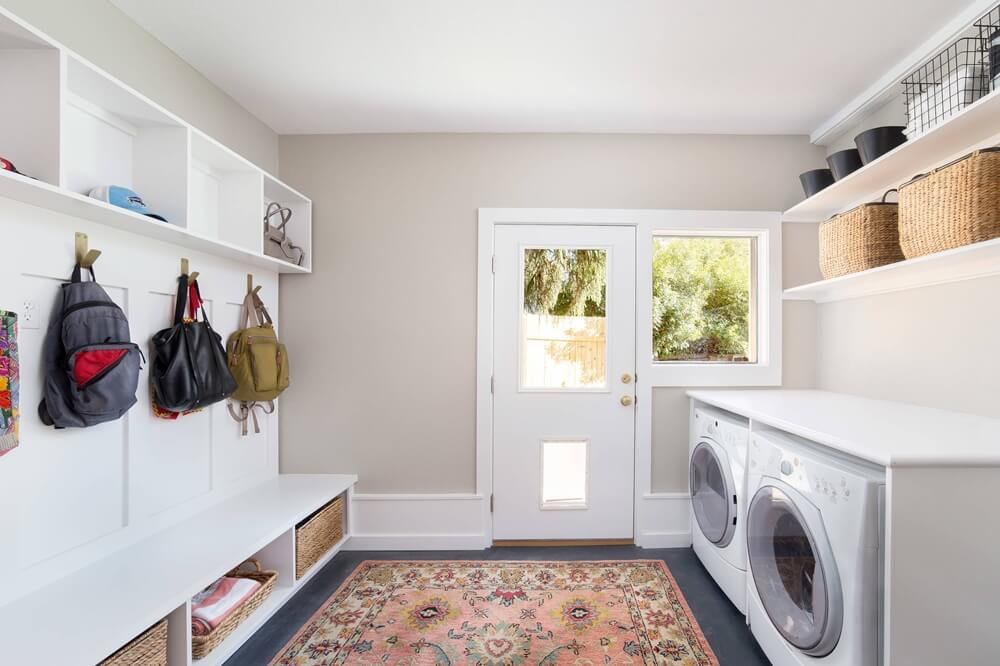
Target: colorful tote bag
9,380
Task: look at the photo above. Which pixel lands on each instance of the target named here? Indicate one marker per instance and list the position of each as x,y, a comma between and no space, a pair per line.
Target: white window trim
766,228
648,505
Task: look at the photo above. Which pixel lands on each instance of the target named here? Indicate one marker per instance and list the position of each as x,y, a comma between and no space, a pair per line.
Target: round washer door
793,568
713,494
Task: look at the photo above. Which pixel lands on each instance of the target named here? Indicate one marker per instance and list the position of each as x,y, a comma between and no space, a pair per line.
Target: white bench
88,615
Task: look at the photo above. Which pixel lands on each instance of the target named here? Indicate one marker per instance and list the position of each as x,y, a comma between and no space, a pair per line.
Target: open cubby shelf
75,127
156,577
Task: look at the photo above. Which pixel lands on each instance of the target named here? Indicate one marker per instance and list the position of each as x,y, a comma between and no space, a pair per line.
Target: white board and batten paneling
108,529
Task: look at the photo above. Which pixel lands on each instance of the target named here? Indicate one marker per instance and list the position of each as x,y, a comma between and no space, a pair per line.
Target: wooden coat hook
84,255
184,270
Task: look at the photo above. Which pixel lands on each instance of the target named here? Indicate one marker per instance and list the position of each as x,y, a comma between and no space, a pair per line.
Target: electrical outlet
29,315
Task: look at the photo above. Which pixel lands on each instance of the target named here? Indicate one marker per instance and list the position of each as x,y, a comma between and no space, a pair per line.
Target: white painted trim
653,526
665,520
414,521
886,88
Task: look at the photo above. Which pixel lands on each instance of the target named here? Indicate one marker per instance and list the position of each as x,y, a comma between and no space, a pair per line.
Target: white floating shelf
59,200
963,263
976,126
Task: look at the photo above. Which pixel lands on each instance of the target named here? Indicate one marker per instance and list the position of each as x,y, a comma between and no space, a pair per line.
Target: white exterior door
564,369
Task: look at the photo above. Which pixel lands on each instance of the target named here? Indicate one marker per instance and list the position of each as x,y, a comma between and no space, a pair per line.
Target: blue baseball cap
116,195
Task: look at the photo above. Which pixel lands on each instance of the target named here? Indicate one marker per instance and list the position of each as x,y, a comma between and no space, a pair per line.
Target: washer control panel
818,481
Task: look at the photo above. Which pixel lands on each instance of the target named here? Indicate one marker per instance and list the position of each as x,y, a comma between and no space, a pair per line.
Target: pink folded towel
211,606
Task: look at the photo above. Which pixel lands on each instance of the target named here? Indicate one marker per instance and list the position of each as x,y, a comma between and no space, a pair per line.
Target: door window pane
564,474
563,319
704,301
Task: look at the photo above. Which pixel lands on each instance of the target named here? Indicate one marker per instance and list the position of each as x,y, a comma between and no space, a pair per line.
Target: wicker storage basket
862,238
202,645
954,205
317,534
148,649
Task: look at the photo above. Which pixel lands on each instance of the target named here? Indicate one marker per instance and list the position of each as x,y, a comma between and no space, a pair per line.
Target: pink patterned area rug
503,614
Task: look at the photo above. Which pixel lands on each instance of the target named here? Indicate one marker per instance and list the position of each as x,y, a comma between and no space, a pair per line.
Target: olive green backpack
258,362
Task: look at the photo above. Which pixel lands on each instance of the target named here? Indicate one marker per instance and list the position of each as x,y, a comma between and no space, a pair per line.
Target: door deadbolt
626,378
626,401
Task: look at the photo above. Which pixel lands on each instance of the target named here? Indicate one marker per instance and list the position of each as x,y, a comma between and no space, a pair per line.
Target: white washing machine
717,472
815,525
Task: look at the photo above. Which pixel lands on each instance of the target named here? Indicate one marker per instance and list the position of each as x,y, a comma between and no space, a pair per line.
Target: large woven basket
202,645
317,534
954,205
148,649
862,238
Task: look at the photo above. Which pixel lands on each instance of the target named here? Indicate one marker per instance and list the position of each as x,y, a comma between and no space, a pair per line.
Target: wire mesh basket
989,34
944,85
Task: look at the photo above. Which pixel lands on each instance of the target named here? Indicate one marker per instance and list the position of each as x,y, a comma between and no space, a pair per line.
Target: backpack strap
254,312
247,412
181,302
78,273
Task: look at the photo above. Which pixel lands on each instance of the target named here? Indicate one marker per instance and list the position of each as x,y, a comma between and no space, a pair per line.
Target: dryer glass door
793,570
713,495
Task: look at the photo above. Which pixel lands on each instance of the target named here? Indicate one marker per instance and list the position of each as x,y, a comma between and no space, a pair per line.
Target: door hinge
493,264
491,503
493,385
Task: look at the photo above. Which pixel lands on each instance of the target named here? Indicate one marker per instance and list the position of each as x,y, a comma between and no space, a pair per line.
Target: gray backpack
91,366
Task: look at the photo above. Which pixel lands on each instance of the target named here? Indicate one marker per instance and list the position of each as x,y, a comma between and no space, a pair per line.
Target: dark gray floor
724,627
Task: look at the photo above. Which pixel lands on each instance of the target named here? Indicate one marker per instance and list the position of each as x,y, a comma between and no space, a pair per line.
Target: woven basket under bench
317,534
202,645
955,205
148,649
862,238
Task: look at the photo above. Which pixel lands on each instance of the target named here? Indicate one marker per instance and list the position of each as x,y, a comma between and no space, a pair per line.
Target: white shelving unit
976,126
962,263
74,127
102,606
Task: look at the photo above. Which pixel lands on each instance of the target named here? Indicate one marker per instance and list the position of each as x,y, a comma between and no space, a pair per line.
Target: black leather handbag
189,368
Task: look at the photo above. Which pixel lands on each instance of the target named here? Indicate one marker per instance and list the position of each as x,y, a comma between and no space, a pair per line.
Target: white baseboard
663,520
447,521
417,542
459,521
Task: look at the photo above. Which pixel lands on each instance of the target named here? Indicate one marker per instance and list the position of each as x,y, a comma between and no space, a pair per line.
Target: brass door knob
626,401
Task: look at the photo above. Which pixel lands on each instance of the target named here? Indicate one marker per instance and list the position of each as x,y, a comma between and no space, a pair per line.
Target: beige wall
384,329
101,33
929,346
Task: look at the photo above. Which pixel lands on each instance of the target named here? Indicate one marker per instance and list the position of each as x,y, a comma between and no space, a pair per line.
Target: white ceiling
674,66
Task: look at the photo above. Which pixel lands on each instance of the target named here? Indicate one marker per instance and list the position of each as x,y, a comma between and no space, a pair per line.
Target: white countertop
892,434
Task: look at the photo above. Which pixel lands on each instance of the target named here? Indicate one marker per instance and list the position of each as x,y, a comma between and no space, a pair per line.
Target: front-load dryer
814,535
717,473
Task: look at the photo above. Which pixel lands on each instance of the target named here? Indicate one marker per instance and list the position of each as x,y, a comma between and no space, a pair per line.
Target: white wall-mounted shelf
76,127
962,263
56,199
977,126
101,607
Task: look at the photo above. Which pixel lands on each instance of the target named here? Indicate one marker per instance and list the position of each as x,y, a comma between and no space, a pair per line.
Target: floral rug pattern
503,614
